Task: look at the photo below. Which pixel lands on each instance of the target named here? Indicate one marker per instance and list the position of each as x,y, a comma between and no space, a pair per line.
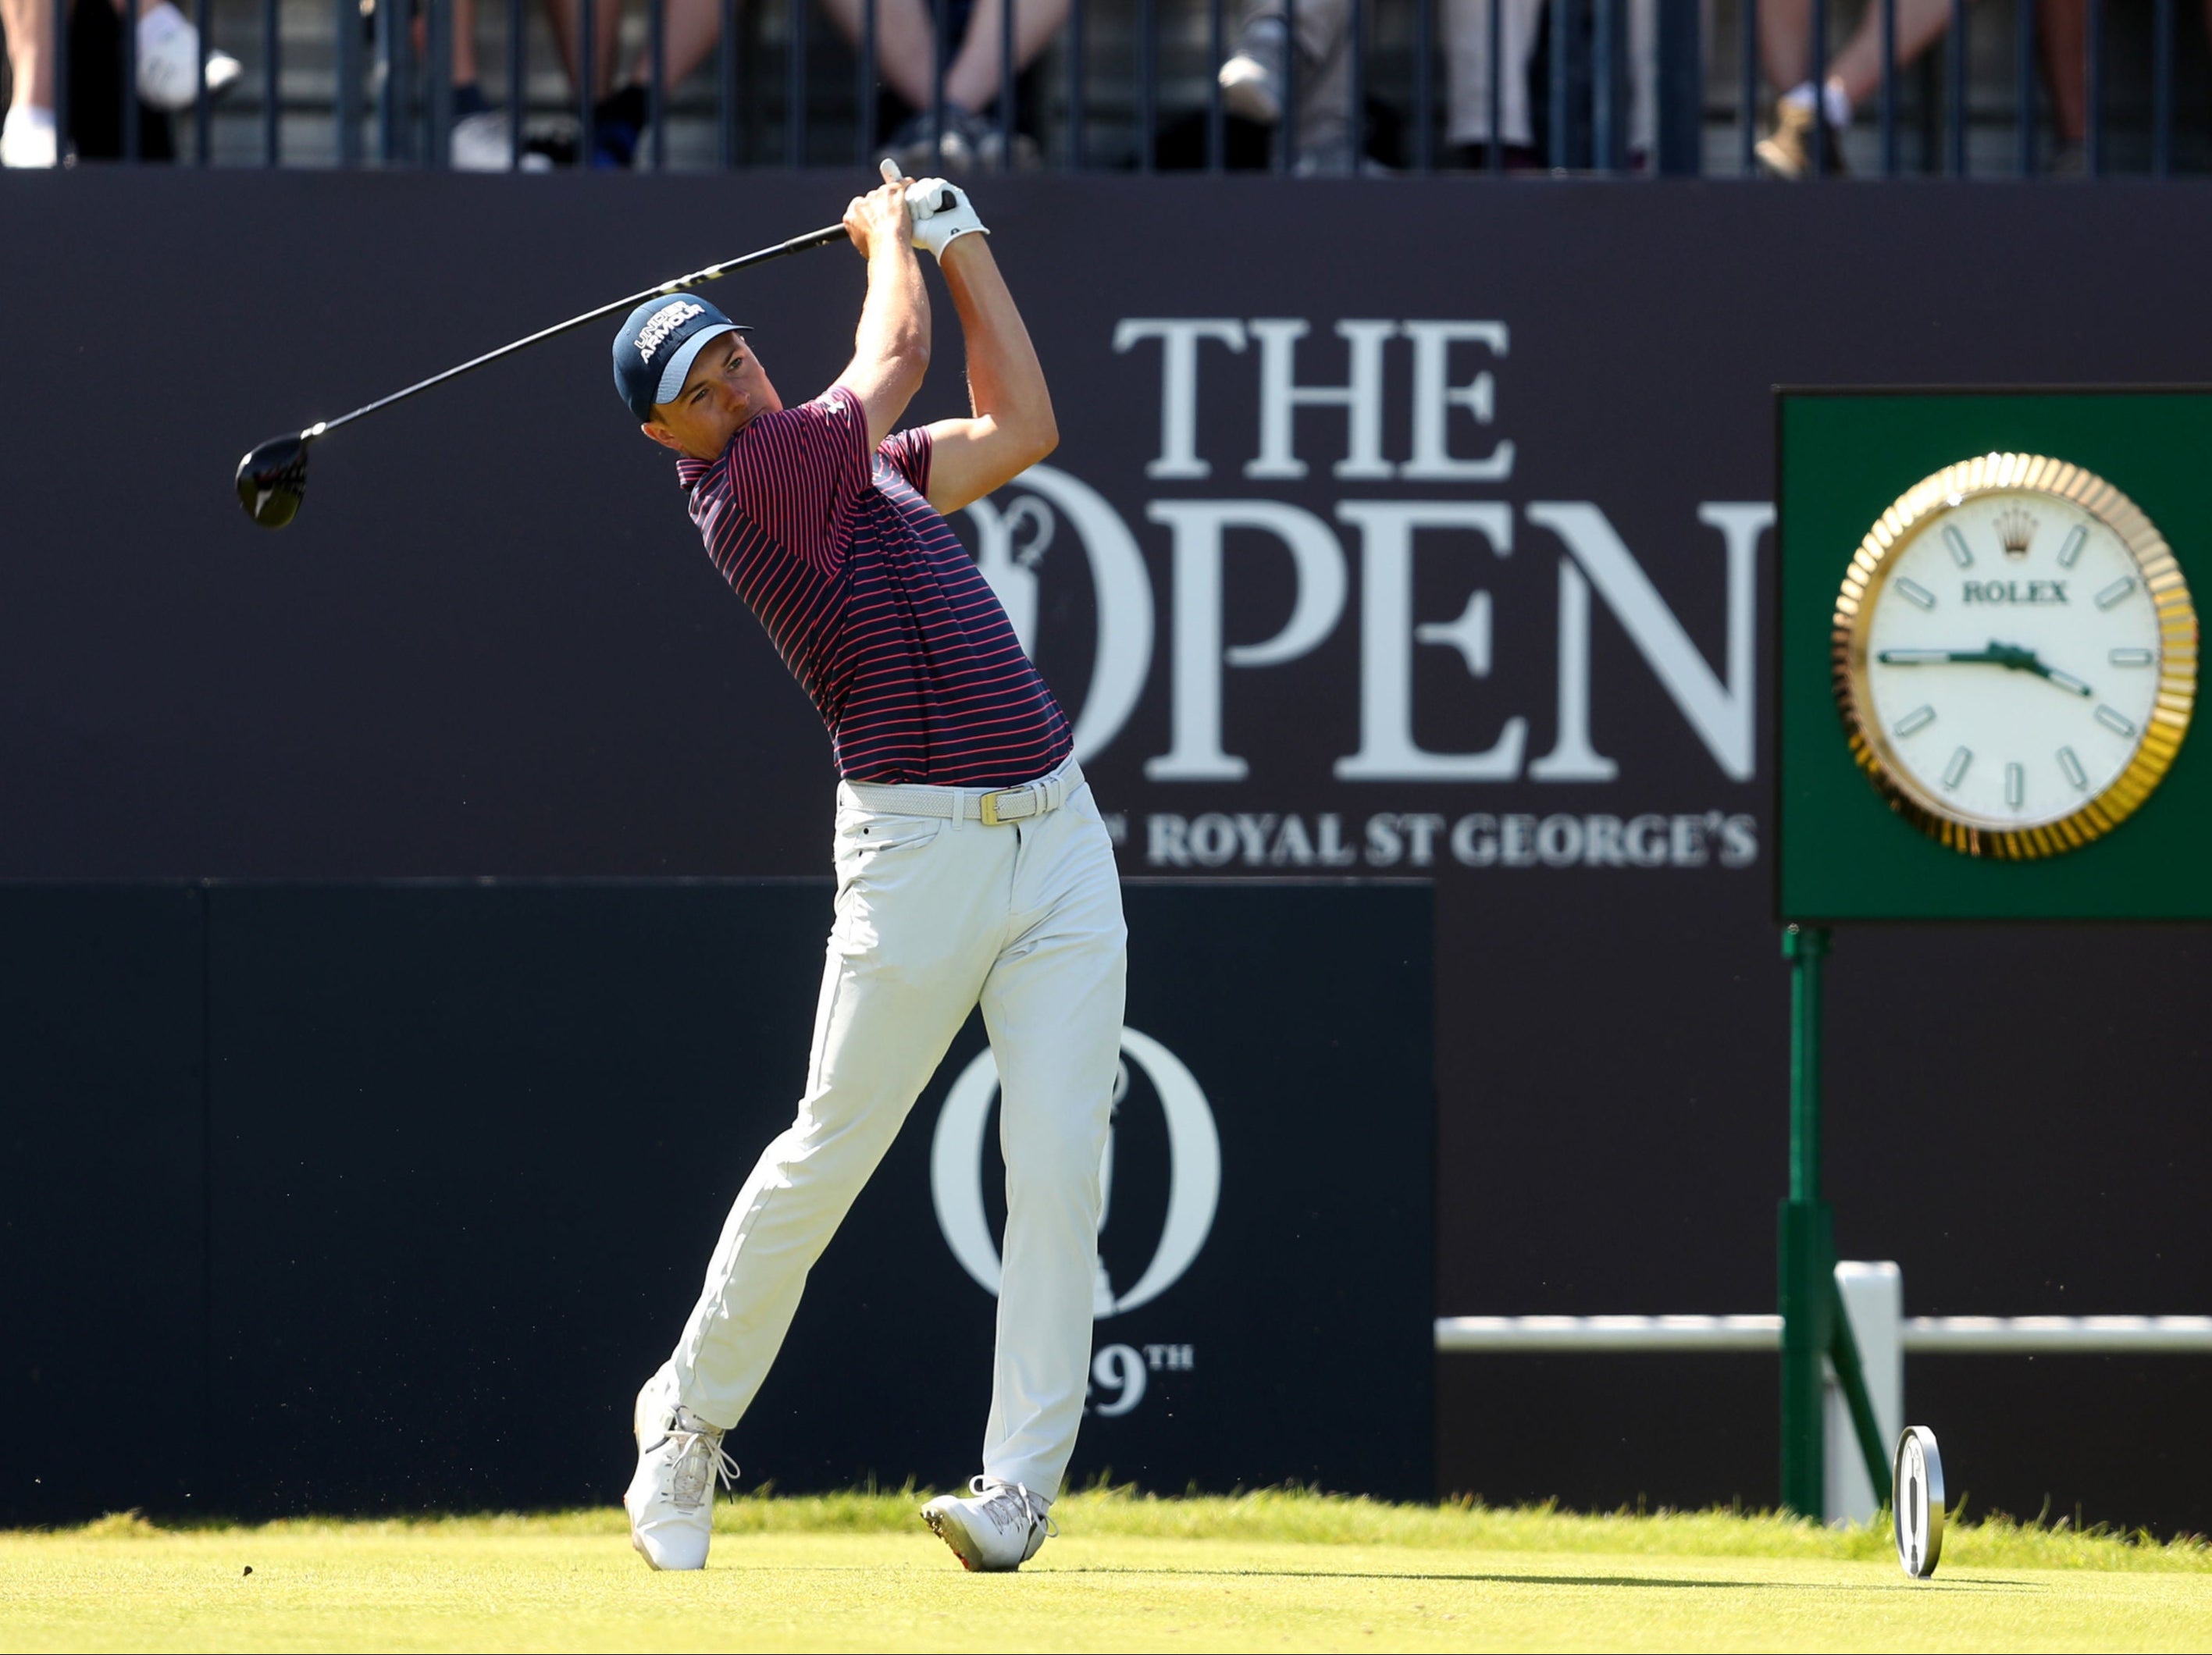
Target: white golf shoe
670,1500
997,1526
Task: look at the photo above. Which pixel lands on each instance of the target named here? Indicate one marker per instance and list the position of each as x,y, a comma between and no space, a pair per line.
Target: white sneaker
1248,88
27,138
1000,1529
482,144
670,1500
169,61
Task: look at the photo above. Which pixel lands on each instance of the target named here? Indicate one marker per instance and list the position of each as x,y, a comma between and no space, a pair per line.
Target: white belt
992,808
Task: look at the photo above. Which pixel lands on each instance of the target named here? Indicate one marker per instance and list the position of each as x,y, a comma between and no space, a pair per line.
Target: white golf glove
941,214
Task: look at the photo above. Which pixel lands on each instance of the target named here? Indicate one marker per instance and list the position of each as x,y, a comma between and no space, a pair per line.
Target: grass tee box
1843,459
1277,1569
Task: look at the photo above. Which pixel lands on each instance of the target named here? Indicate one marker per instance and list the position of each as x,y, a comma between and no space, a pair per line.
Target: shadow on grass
1657,1582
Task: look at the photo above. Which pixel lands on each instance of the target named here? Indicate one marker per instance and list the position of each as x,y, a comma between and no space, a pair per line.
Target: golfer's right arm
890,351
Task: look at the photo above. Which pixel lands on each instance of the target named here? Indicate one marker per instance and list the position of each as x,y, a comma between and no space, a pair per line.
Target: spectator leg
1467,46
2061,37
1323,27
606,39
464,42
30,26
1319,77
694,30
1323,77
1784,47
972,81
1858,68
906,46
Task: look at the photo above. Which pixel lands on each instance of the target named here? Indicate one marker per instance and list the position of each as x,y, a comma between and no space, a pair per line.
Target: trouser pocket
866,845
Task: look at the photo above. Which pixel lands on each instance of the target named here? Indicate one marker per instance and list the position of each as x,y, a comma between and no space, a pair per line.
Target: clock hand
2018,660
2011,657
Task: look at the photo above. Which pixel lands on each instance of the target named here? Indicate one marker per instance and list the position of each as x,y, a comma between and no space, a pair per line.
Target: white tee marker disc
1917,1498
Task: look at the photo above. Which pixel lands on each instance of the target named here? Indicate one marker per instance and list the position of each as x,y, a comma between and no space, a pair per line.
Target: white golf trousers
932,918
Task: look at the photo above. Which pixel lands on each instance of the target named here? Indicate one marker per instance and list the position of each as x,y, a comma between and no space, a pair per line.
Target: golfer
972,865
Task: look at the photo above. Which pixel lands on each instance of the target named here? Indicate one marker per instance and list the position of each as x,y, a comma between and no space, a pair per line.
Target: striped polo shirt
877,610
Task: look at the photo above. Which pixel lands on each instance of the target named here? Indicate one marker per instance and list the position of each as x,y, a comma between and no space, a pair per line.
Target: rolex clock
2014,656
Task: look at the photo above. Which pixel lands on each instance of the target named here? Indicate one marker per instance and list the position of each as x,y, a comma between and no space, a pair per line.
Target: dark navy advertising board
467,1148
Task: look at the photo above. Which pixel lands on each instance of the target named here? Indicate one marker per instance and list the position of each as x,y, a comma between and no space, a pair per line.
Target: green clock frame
1841,853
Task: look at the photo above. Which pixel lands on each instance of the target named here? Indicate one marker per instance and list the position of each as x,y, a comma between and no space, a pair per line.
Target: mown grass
1295,1516
1278,1569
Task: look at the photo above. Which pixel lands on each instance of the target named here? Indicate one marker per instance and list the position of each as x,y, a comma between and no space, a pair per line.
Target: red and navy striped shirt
877,610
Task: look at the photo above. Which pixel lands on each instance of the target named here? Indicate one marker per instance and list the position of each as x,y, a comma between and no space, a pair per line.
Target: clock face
2015,656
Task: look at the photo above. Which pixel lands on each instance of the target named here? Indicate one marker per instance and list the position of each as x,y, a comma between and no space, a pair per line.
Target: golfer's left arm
1012,427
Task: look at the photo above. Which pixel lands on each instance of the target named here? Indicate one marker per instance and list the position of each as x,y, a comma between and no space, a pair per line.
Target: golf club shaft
821,238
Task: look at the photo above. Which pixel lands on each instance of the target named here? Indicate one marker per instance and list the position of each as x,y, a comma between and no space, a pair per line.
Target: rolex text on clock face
2013,659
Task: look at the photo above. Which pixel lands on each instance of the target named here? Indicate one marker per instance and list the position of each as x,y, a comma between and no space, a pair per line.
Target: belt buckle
988,807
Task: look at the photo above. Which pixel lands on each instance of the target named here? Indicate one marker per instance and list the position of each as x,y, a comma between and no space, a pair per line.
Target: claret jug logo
1010,546
956,1177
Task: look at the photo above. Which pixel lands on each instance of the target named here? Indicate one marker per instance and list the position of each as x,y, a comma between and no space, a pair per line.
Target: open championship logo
955,1173
1122,589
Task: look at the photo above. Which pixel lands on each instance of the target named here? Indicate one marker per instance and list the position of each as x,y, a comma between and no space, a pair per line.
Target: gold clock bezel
1871,565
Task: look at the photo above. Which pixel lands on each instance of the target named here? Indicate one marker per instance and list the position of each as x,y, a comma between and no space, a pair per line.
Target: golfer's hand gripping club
941,212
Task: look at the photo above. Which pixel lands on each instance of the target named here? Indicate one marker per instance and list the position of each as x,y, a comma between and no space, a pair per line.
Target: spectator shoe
482,144
169,70
27,138
1787,151
916,148
1252,80
992,154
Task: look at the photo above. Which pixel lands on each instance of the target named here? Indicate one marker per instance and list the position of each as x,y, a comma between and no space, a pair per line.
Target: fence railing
1917,1336
1871,1295
1678,87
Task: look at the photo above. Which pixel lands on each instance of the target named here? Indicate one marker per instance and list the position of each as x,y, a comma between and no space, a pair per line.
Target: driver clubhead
271,480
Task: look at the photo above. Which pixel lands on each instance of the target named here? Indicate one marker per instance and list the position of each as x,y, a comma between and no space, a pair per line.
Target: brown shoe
1787,151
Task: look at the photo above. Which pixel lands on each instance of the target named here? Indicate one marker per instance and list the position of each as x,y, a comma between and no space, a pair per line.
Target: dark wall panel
102,1210
473,1147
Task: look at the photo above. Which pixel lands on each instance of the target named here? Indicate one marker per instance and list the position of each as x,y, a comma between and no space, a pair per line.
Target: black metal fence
2023,89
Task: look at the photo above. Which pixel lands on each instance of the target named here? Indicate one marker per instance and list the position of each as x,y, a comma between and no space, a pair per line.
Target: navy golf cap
654,351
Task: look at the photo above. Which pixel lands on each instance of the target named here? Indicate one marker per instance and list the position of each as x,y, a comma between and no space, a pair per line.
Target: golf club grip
821,238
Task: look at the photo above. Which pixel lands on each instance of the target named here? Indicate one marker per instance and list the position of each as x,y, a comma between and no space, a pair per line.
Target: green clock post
1986,665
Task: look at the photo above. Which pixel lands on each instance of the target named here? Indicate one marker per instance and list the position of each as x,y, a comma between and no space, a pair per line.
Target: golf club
270,477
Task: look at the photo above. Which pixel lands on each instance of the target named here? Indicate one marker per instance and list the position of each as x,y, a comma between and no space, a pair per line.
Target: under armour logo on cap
664,322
